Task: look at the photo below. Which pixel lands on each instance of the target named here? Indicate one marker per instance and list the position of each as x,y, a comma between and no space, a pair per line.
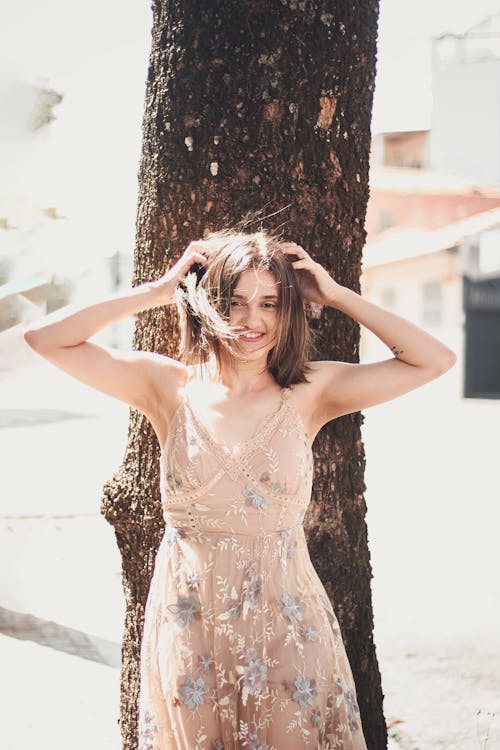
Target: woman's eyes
270,305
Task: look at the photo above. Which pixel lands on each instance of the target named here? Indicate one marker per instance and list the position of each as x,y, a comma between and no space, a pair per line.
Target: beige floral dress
241,647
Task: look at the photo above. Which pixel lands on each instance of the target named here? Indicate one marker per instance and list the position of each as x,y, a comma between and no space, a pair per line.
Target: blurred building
432,255
465,120
448,282
432,251
30,289
421,198
409,148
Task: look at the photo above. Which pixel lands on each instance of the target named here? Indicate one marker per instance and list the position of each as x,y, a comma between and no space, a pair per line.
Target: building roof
413,180
488,25
405,131
21,286
402,244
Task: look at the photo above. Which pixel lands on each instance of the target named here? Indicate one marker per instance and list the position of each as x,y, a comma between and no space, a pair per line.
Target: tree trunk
255,104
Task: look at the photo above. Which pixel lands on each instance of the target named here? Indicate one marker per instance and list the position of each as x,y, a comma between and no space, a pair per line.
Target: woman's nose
251,315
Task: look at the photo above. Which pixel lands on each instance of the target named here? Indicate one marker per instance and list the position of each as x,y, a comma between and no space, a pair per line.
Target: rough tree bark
253,103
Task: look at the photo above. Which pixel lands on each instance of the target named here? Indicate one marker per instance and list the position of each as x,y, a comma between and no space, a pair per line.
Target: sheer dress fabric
241,647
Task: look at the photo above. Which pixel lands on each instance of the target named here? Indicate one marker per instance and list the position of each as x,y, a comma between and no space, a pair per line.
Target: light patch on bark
337,171
190,121
326,18
242,175
314,309
273,112
328,105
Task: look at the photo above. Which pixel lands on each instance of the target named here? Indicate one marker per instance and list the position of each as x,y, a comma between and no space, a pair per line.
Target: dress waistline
173,533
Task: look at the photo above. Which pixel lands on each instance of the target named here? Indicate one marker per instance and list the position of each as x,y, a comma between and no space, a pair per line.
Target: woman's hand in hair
195,253
316,284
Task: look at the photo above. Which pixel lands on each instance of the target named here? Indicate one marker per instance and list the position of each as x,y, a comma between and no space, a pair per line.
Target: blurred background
70,137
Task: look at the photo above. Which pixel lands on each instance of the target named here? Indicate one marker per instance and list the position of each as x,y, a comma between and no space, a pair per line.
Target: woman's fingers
195,253
193,258
200,245
292,248
188,259
302,258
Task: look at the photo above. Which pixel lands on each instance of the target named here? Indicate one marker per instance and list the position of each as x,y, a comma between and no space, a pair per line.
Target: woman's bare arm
130,376
345,387
342,387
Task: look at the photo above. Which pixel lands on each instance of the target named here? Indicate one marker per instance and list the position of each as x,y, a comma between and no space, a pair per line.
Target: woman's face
254,312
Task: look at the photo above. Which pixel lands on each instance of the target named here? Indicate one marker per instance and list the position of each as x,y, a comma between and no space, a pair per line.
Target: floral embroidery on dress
192,580
252,588
316,717
172,535
233,613
147,729
186,610
310,633
254,741
253,498
351,703
352,708
306,691
194,689
250,738
254,674
291,609
173,478
205,662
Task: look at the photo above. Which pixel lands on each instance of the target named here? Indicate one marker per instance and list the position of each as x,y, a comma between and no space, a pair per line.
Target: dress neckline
239,447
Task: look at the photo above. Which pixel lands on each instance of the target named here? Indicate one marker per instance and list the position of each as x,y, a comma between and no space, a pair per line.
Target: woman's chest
277,459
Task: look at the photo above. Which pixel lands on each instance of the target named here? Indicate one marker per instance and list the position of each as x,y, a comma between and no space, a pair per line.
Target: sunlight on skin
251,309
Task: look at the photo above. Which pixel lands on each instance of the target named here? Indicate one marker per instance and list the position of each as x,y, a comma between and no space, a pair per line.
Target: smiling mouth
251,336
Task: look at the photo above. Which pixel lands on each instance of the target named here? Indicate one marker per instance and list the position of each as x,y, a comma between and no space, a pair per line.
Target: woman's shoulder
169,375
320,370
166,370
318,373
307,391
315,372
308,397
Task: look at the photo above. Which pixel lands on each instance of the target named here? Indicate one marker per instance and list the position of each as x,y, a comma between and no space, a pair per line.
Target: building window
432,303
388,298
385,219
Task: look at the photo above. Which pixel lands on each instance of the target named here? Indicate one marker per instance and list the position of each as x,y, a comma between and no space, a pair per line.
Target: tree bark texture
250,104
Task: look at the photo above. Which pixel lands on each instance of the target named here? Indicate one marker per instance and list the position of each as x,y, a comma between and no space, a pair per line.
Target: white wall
465,119
407,278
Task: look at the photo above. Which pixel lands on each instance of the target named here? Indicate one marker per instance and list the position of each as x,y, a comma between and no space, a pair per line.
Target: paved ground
433,513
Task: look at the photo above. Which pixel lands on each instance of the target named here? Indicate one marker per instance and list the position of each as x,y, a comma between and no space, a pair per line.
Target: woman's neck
242,377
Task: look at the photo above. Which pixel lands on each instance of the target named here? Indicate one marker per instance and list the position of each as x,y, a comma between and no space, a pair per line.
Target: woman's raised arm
61,338
344,387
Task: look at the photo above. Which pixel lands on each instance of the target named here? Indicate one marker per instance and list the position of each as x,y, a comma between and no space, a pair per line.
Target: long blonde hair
203,304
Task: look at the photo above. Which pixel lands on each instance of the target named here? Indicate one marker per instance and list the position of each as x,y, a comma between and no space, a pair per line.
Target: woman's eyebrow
263,296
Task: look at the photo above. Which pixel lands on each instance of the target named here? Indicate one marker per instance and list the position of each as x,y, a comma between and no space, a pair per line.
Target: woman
241,647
